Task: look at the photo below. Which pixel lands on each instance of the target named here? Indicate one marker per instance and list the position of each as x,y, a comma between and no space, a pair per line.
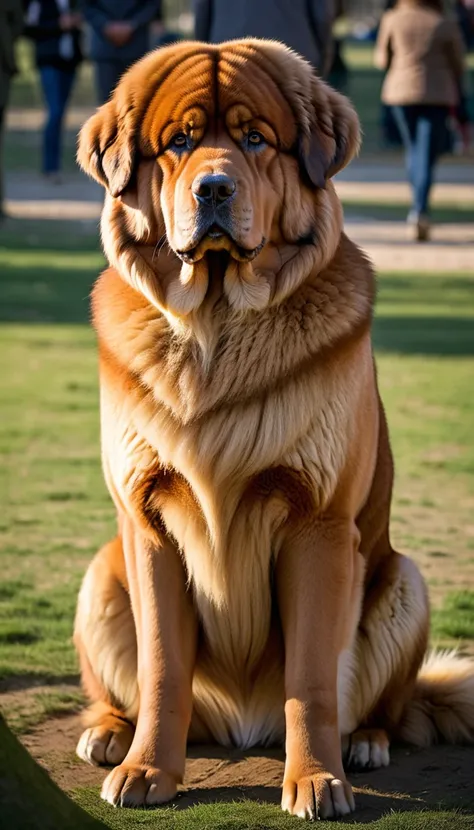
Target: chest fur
205,479
217,460
223,486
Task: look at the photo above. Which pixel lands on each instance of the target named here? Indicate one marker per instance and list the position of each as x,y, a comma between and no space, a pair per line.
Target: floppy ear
106,149
333,137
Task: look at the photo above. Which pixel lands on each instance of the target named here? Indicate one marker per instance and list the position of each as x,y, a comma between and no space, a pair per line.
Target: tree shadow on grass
56,290
378,211
438,325
48,269
41,295
21,682
416,335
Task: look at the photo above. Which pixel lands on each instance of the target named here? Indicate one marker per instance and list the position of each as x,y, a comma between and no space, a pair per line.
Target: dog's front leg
315,578
166,646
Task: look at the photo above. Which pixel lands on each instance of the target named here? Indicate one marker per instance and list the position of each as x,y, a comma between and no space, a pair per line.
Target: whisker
158,246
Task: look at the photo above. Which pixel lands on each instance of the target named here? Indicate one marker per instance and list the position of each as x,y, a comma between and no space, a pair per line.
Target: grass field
56,510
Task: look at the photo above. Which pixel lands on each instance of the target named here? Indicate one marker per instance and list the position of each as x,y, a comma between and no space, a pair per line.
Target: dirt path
451,247
416,779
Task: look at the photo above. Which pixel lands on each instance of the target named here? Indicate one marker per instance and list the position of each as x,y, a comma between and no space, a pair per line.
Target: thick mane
265,348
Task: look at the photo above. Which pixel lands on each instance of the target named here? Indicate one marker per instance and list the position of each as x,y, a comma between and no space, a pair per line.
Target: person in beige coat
422,54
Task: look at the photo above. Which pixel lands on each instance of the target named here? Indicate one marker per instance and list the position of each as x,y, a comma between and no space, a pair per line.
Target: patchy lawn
56,512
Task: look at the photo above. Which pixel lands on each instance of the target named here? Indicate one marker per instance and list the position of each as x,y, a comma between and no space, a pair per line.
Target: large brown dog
252,592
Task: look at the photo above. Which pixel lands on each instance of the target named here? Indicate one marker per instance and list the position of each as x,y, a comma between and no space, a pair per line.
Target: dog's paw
133,785
368,749
317,796
101,744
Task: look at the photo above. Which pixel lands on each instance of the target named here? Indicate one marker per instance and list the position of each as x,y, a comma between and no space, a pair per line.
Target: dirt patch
416,779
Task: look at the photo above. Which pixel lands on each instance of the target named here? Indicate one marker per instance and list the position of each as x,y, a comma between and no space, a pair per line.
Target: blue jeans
107,76
57,84
424,132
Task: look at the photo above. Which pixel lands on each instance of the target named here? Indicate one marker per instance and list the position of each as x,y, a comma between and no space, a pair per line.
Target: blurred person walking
422,54
304,25
11,24
55,28
464,10
120,36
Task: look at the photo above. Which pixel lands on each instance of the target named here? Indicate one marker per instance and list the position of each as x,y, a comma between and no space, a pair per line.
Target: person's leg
390,133
405,119
66,80
107,74
51,83
424,154
436,118
409,121
3,111
430,139
2,118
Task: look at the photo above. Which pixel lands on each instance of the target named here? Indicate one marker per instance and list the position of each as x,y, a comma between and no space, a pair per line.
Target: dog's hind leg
108,739
106,643
366,749
386,656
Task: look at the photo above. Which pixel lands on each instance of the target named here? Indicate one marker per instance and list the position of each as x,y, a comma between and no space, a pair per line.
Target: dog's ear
332,136
106,147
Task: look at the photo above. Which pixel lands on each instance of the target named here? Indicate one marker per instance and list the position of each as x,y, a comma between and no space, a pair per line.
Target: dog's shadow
415,780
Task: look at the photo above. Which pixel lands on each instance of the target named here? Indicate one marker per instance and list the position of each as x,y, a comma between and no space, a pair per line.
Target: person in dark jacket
11,24
304,25
55,28
120,36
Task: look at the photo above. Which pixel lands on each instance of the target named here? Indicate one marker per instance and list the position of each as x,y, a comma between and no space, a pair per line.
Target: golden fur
252,594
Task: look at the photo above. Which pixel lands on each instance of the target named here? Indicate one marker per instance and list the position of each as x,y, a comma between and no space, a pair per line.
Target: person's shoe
419,226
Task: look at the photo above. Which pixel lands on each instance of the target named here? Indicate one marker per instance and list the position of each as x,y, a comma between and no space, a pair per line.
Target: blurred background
55,508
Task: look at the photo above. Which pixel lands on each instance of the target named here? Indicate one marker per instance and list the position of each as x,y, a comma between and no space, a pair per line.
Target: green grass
27,709
456,617
56,511
243,815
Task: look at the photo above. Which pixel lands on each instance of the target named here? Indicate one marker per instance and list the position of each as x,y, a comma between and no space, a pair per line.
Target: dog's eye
255,139
179,142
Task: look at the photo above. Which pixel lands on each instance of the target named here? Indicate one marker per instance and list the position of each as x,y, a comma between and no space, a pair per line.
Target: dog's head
223,154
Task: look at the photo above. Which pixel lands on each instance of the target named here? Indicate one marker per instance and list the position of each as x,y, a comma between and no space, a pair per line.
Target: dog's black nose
213,189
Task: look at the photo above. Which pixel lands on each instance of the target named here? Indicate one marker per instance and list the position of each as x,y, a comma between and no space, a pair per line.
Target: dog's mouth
216,238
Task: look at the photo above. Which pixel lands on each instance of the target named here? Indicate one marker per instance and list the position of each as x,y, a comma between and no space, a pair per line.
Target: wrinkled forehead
211,90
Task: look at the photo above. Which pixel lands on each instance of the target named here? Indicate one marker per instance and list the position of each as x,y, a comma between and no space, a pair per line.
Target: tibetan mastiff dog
251,595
